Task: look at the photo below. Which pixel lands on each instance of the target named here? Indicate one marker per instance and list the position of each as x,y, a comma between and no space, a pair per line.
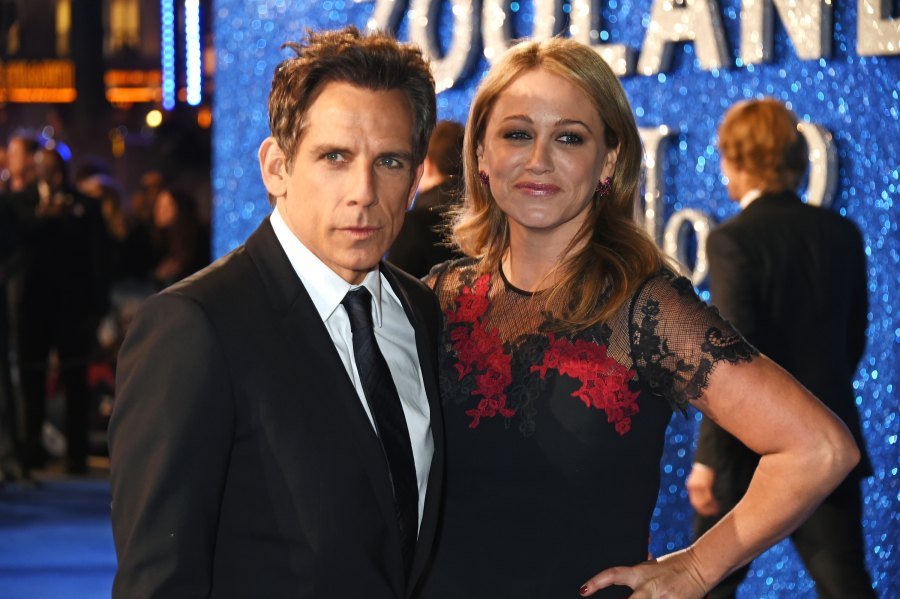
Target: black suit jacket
59,261
792,279
243,463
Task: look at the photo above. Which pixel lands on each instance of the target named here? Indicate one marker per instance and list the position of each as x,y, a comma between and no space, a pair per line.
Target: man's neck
749,197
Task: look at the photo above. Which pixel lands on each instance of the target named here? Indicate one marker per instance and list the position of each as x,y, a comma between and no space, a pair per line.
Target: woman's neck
532,261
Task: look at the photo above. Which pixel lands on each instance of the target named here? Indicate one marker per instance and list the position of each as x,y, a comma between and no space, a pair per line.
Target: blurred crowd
78,253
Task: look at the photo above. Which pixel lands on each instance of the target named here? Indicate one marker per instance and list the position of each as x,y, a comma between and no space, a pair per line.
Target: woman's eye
570,138
516,134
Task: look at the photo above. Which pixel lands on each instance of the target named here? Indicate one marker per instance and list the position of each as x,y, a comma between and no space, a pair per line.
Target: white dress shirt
393,333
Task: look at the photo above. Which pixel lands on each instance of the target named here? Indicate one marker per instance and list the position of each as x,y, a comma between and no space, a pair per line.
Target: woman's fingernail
582,590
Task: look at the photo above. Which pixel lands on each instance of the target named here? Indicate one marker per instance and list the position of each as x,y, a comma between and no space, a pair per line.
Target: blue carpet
56,540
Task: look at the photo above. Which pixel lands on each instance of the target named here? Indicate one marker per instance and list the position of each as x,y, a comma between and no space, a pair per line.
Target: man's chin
358,267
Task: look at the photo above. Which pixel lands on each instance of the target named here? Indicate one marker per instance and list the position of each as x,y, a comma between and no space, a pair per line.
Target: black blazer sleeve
711,444
858,319
733,282
170,439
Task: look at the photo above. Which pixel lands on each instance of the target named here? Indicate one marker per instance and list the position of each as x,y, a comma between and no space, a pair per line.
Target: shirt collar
749,197
325,287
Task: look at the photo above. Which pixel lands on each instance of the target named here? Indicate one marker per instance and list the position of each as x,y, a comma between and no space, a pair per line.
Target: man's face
352,178
18,160
734,180
49,169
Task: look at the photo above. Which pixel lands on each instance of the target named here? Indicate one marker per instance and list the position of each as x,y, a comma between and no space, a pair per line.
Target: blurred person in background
18,175
139,256
20,154
421,243
10,459
180,239
60,246
103,188
792,278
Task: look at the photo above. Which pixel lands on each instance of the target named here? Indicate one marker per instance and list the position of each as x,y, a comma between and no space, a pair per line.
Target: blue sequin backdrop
854,97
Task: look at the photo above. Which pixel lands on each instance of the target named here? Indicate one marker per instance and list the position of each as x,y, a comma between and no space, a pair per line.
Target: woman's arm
806,452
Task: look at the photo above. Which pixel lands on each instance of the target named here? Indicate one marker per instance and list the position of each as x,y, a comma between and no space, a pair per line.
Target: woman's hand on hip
674,576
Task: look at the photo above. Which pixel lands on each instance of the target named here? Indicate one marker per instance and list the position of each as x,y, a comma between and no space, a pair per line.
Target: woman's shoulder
664,285
446,273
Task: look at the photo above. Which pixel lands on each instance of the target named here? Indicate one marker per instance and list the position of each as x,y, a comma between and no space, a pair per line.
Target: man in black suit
420,244
276,432
792,278
61,293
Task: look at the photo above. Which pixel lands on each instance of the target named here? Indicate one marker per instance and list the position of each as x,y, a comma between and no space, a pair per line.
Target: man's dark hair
377,62
53,164
445,148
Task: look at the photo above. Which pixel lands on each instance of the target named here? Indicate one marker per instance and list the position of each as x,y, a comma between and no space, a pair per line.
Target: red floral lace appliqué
604,382
481,351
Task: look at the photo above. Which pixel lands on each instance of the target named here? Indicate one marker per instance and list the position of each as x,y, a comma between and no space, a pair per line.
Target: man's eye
333,157
390,163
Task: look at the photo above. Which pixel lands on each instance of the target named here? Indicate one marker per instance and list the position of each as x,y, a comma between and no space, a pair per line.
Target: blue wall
854,97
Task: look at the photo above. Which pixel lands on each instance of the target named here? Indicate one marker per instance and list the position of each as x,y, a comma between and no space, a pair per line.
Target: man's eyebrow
328,148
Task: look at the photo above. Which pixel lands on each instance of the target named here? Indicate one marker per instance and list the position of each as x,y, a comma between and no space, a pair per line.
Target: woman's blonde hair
761,138
618,255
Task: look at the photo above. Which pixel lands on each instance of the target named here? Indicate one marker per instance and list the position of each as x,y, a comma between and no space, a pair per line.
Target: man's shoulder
222,281
800,216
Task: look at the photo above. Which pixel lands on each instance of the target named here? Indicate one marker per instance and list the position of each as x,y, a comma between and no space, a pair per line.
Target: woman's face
165,210
544,151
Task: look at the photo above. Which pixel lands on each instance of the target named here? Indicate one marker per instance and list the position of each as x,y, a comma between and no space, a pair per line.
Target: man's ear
417,176
273,167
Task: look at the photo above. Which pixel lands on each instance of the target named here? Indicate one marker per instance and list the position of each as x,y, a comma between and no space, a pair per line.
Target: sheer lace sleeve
677,339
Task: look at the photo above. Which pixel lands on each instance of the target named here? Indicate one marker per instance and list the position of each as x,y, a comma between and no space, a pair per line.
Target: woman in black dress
568,344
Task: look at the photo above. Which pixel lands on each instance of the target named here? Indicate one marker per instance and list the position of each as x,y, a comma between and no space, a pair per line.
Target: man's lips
360,232
537,189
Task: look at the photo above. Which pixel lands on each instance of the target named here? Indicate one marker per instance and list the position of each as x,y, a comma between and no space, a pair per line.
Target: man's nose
362,186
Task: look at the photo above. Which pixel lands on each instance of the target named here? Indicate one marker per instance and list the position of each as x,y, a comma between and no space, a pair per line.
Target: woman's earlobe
612,157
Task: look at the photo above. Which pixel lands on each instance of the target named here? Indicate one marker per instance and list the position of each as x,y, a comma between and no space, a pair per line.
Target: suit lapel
426,348
306,334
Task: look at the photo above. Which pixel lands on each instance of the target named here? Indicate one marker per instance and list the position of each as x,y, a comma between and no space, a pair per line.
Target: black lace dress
554,440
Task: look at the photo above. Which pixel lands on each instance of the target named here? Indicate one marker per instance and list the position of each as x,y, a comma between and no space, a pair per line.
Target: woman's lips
537,189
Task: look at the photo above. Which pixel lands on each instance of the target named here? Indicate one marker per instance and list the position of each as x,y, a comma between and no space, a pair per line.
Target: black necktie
390,423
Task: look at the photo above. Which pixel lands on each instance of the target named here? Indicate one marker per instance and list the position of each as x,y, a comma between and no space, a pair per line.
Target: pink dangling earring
485,179
603,187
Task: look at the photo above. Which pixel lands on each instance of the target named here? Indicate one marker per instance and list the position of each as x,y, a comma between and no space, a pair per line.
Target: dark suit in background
11,467
421,243
792,279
